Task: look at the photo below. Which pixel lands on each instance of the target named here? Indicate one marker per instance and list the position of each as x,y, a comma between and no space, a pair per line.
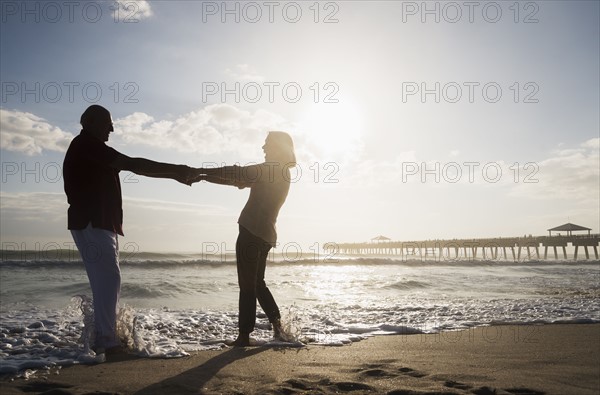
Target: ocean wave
71,263
163,260
71,288
145,291
408,285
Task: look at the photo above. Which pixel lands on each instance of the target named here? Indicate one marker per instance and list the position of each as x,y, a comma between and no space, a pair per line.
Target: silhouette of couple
95,217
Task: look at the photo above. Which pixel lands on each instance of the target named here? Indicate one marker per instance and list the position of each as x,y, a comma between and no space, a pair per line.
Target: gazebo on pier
569,228
380,238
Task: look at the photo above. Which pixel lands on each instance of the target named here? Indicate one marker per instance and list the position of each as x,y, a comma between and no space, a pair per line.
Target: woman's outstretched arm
228,175
226,172
222,181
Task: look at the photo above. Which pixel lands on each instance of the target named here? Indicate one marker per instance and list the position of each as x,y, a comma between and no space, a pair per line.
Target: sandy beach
546,359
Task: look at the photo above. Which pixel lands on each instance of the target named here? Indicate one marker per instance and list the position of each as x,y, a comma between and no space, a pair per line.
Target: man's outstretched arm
150,168
221,181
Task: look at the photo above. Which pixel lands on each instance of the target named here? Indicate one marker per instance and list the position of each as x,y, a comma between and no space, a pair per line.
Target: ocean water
174,304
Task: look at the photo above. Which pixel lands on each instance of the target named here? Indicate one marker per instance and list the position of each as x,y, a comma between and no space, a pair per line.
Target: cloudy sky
412,120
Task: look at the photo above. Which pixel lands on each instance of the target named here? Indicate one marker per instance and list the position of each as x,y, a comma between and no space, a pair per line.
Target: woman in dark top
269,183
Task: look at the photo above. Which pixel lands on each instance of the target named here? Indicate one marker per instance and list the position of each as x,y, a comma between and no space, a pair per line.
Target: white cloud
592,144
44,206
570,174
40,217
243,72
131,10
189,209
30,134
38,207
213,129
372,173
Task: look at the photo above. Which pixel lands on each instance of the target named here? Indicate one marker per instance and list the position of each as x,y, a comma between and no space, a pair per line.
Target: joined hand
188,175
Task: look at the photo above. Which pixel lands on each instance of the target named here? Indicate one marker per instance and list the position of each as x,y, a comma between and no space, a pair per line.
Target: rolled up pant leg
99,251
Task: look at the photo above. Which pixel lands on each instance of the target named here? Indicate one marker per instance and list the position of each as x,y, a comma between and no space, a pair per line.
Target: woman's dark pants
251,253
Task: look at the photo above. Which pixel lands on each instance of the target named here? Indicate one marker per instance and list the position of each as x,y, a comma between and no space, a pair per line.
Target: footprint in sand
411,372
411,392
457,385
50,387
484,391
331,386
374,370
348,386
524,391
377,373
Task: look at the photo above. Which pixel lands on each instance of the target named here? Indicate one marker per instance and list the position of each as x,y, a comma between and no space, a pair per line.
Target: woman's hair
285,147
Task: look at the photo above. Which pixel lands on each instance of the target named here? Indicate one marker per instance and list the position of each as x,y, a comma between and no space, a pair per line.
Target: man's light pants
99,251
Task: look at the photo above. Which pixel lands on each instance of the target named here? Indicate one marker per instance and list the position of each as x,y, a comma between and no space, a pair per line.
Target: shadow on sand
193,380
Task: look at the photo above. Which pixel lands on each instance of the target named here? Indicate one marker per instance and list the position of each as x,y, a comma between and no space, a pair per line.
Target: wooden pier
507,248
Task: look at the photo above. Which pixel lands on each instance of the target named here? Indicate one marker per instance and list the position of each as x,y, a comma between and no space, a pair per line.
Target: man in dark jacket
95,216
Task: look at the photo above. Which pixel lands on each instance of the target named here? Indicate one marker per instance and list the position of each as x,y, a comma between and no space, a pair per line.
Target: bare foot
279,333
243,340
240,343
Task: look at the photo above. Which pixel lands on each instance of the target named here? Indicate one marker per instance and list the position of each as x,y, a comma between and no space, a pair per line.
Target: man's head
97,121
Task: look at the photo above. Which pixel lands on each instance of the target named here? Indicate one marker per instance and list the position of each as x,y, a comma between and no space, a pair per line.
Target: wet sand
546,359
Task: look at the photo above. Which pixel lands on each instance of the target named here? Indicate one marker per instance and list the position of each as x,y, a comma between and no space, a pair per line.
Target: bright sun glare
336,128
